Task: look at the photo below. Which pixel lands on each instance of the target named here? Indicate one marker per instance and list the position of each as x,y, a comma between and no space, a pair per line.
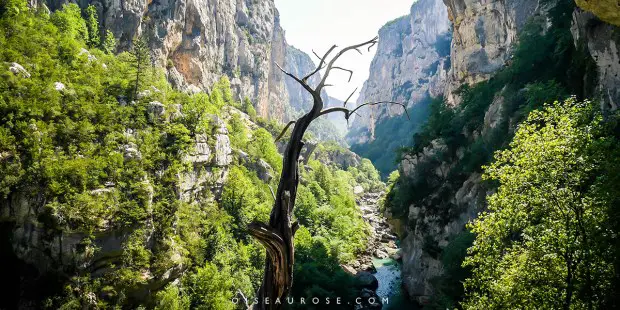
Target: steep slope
508,58
484,34
199,41
109,202
410,65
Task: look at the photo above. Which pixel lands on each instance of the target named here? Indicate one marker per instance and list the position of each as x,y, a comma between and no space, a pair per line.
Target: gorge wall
410,64
198,41
441,177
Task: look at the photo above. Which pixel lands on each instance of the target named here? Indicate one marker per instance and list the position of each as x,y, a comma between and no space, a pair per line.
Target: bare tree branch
305,86
243,299
380,102
372,42
272,193
317,55
344,110
284,130
347,70
348,112
371,45
320,66
351,95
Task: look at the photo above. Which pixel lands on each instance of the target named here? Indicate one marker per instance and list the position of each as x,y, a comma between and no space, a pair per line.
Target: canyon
441,49
410,65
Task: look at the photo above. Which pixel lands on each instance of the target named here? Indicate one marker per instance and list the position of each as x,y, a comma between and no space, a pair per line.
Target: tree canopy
545,240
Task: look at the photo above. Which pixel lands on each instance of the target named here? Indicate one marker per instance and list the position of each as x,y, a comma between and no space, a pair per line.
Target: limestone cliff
198,41
409,65
484,34
603,44
606,10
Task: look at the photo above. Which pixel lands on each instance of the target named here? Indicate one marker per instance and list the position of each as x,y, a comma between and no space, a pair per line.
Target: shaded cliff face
410,64
484,33
603,43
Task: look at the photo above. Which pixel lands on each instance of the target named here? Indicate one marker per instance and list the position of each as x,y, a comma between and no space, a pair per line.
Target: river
388,270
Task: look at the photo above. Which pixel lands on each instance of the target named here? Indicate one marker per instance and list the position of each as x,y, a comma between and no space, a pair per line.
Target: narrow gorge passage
382,258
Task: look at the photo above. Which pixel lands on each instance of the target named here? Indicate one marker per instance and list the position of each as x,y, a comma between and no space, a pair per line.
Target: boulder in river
369,300
380,254
348,269
365,279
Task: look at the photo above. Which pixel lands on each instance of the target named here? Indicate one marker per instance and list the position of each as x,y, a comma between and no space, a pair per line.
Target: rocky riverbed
378,268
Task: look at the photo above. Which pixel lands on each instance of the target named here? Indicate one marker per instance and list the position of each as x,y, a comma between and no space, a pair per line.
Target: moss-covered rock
606,10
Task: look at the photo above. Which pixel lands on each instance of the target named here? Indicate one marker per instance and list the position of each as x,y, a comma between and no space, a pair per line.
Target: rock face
198,41
410,64
603,44
606,10
484,33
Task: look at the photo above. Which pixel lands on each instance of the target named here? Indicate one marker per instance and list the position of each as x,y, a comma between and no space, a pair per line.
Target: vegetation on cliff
456,143
548,237
96,144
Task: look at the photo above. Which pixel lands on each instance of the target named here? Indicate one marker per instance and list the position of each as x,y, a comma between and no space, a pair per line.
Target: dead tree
277,235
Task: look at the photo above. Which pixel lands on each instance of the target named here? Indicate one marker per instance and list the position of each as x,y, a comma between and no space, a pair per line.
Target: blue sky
318,24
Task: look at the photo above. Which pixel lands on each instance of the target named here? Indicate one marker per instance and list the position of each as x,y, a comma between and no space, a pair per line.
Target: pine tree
109,42
141,61
92,25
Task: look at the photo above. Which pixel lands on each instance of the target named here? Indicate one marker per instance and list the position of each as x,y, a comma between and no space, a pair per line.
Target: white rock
358,189
17,69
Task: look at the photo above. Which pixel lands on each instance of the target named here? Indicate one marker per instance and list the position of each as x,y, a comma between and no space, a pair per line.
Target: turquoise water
389,276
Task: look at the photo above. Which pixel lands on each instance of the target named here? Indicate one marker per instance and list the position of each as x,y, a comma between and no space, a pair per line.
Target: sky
319,24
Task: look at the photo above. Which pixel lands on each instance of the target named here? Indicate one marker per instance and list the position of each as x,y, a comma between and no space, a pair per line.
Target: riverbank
379,264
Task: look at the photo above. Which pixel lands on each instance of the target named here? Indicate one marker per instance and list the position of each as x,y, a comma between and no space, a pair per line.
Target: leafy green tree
248,107
69,21
108,44
544,241
211,288
92,25
262,146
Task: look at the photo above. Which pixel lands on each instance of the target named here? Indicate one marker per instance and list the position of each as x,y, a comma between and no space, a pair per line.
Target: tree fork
278,235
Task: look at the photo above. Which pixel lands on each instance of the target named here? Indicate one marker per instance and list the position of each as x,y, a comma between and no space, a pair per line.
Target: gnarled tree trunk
278,235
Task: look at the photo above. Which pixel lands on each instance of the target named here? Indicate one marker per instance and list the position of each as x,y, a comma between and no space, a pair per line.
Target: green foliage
326,206
92,25
245,200
383,152
211,288
98,166
262,146
171,299
70,23
140,58
367,176
109,42
318,273
543,243
248,107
